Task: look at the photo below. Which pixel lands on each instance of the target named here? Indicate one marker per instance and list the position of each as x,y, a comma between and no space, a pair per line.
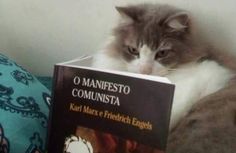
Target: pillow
24,109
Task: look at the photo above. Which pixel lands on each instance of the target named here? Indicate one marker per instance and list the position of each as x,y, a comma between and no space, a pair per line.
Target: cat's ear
130,14
178,22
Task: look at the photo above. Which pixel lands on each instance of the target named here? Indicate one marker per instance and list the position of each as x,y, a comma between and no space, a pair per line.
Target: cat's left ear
130,14
178,22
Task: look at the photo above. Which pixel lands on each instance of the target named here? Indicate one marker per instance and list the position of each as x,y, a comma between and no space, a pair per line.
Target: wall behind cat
40,33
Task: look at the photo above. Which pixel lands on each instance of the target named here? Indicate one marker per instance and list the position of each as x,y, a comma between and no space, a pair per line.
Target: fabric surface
24,108
46,81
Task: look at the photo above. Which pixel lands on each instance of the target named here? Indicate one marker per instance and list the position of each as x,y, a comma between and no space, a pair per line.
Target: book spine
57,84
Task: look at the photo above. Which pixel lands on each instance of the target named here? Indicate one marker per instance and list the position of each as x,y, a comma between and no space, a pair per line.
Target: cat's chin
160,71
163,73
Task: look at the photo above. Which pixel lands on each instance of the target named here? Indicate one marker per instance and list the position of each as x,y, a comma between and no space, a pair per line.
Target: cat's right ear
130,14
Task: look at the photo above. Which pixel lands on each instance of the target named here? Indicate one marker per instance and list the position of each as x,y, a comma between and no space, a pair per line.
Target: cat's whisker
172,69
162,73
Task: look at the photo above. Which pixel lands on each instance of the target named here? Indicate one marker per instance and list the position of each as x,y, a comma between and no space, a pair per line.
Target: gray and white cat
158,39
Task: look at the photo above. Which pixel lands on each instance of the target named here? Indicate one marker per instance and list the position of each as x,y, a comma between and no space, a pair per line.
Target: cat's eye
162,53
133,50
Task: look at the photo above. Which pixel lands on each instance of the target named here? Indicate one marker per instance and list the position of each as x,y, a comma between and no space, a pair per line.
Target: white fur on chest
194,82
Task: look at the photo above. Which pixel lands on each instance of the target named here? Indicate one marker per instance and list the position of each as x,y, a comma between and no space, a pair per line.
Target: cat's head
153,39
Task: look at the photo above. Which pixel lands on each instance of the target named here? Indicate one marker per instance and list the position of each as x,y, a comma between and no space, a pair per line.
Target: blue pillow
24,109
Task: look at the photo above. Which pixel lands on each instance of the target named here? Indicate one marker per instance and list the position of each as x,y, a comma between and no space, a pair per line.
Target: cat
159,39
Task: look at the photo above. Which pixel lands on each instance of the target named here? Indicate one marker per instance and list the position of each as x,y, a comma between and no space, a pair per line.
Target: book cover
102,111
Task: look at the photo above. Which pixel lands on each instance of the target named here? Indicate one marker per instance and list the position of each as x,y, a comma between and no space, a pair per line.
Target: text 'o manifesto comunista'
103,86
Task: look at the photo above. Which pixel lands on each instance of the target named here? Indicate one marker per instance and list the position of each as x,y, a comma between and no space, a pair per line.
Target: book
106,111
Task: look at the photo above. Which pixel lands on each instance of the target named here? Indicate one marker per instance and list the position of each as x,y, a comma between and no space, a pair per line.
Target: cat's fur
159,40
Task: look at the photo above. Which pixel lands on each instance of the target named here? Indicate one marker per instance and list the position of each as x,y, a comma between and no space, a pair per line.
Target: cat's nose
145,69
